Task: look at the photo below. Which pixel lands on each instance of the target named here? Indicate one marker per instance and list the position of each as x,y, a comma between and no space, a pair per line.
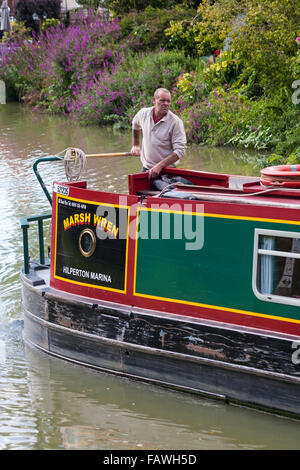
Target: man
164,138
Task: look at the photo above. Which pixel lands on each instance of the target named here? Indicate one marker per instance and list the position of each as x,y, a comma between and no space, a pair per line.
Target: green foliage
120,8
215,22
295,65
216,113
265,41
181,35
90,4
216,117
206,31
262,37
50,23
257,138
225,70
246,97
149,25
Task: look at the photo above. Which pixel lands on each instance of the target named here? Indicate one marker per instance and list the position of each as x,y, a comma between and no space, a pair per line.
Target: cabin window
276,266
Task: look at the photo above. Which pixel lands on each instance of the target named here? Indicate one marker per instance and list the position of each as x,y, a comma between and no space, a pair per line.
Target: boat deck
216,187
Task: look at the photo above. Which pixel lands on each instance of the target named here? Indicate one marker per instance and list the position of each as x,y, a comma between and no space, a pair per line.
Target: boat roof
218,187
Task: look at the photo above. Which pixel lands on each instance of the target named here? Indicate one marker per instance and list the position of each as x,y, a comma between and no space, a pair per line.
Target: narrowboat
190,281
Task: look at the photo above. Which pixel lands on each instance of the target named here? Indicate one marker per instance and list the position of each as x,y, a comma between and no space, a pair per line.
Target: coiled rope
74,163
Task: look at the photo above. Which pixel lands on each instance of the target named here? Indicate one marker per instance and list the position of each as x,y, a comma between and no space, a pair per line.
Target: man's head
161,101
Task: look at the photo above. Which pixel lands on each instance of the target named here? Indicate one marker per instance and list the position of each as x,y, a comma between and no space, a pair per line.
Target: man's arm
135,149
156,170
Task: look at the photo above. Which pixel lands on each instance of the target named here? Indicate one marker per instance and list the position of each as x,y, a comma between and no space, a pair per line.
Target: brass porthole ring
87,242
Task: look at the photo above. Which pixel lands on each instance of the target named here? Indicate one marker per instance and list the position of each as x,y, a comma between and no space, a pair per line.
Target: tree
121,7
90,4
25,9
261,35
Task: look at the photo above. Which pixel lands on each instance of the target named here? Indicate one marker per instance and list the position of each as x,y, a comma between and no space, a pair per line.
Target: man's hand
155,171
158,168
135,150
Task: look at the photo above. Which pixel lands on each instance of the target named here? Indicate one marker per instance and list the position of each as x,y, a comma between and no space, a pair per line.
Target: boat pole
108,155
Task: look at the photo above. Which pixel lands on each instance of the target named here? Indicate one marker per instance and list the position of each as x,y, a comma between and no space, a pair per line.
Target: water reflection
102,411
18,422
46,403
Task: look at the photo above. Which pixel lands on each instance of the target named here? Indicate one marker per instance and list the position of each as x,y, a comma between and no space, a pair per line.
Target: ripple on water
18,422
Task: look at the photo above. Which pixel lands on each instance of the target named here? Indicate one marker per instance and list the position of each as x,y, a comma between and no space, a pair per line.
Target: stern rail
25,222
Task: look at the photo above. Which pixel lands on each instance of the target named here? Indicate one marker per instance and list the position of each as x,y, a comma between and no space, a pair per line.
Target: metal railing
39,178
25,222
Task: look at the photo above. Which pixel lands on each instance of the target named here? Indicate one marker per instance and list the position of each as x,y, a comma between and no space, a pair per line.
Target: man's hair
160,90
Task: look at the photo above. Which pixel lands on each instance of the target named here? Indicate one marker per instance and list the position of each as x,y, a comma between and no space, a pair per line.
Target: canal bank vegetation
233,68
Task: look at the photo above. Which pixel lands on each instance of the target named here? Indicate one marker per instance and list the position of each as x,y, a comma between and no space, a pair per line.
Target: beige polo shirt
160,139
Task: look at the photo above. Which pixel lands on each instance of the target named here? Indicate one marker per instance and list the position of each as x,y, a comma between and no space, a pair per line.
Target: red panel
140,181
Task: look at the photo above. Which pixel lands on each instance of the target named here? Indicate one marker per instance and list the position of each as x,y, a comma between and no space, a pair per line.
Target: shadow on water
65,406
49,404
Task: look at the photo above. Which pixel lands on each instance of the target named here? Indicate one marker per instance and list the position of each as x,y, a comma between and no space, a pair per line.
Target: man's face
162,103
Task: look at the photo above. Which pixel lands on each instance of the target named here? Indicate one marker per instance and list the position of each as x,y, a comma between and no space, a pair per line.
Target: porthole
87,242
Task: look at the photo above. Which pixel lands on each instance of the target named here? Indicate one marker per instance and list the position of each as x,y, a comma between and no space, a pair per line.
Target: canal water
46,403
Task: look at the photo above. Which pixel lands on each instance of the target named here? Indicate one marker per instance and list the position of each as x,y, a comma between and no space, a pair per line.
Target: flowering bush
86,71
190,88
98,72
265,42
116,96
225,70
20,67
55,68
214,23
